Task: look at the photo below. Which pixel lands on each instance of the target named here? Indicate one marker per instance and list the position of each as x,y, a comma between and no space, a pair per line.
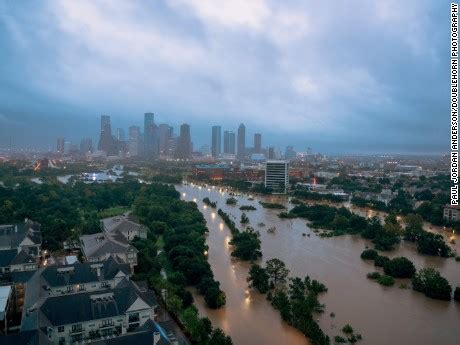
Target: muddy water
382,315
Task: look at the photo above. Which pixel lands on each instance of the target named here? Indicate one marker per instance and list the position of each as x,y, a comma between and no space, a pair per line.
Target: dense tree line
307,195
272,205
207,201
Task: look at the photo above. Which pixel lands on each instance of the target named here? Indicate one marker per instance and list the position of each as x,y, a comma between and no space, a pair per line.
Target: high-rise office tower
134,142
229,142
86,145
241,149
164,133
184,143
120,134
60,145
106,142
257,143
277,176
289,153
271,152
216,141
150,137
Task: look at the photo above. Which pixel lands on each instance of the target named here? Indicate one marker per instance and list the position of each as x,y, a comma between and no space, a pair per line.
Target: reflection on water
377,312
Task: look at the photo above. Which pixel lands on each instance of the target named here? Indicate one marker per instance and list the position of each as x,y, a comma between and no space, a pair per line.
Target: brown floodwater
382,315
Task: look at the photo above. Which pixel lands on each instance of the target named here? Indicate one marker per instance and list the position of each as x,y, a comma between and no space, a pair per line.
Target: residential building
123,226
277,176
60,145
452,213
216,141
25,237
13,261
100,246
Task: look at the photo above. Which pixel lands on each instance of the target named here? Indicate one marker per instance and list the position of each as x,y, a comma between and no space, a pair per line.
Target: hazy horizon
358,77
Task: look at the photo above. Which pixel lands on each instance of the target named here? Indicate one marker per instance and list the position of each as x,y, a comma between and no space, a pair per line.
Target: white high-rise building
277,176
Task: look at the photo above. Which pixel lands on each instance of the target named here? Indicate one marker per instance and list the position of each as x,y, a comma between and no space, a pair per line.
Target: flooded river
383,315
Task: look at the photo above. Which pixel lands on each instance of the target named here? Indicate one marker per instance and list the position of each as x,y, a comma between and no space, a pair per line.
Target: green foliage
287,215
373,275
457,294
247,208
347,329
400,267
258,278
166,178
207,201
244,218
386,280
271,205
246,245
380,261
369,254
339,339
277,271
231,201
228,221
432,284
303,194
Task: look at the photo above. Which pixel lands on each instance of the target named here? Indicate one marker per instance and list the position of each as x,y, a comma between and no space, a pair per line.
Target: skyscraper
257,143
134,143
184,144
241,149
106,142
150,138
229,142
289,153
271,152
216,141
120,134
165,132
86,145
60,145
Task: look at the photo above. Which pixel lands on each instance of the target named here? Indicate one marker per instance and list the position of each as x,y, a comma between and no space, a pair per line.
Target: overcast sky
353,76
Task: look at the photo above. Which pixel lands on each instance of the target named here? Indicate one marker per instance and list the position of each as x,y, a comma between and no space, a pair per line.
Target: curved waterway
382,315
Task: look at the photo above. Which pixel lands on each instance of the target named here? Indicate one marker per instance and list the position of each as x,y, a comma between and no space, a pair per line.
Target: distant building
277,176
165,133
271,152
257,143
150,137
452,213
86,145
134,142
120,134
216,141
60,145
106,141
289,153
13,261
184,143
241,148
229,142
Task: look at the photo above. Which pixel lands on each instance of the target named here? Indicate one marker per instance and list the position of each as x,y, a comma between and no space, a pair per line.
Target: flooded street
382,315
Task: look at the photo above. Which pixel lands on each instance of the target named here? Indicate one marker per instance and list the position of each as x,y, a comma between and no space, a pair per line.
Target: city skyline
290,87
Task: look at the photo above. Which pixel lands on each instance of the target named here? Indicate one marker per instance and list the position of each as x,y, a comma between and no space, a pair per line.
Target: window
77,328
107,322
61,329
133,317
105,284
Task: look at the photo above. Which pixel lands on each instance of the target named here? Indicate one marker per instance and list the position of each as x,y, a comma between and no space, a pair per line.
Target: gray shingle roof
7,256
99,244
11,235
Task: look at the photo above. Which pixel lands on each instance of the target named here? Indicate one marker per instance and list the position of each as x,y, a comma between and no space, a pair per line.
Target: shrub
369,254
231,201
347,329
386,280
432,284
247,208
381,260
457,258
373,275
340,340
400,268
457,294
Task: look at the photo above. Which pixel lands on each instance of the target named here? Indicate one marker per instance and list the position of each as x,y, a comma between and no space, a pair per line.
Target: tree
214,297
244,218
457,294
432,284
400,267
218,337
281,302
277,271
258,278
369,254
347,329
381,260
